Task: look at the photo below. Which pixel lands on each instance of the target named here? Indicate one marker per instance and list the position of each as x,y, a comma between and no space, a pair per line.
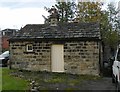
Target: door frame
62,70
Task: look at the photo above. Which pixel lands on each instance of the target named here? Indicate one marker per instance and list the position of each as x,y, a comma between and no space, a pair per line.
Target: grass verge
55,81
12,83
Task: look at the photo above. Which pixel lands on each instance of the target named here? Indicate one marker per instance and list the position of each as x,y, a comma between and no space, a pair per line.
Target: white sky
18,13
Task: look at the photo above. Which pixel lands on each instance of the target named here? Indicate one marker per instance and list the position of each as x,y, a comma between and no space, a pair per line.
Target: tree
109,30
111,36
89,11
66,10
113,17
92,12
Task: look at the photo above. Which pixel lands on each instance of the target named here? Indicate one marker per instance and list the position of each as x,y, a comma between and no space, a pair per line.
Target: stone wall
80,57
39,59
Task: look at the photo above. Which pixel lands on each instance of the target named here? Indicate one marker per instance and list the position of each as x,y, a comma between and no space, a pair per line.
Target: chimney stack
54,16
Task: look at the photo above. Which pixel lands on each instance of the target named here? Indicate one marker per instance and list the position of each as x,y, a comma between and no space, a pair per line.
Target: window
29,47
118,55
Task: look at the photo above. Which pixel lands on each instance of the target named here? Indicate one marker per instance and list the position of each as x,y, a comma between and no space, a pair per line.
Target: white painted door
57,57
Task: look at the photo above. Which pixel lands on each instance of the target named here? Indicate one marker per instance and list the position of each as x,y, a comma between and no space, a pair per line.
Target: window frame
27,48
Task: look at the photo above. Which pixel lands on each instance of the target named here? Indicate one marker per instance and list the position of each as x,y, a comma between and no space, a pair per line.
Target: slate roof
64,30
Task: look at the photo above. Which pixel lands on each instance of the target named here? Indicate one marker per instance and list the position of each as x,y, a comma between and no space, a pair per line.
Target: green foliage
66,10
110,26
111,38
89,11
92,12
104,21
0,79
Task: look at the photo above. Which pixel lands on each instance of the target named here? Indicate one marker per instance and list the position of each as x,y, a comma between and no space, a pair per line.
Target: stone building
69,47
57,47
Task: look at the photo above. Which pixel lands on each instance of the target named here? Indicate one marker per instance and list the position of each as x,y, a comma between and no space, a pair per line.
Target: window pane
29,47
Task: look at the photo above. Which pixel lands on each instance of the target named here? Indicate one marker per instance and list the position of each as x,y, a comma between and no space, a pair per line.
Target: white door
57,58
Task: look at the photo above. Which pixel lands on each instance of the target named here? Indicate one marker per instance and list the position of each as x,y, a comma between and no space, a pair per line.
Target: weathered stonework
39,59
32,46
80,57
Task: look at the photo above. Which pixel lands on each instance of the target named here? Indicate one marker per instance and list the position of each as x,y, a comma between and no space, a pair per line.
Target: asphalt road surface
105,84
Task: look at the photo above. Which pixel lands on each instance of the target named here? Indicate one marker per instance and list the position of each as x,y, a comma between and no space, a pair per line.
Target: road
105,84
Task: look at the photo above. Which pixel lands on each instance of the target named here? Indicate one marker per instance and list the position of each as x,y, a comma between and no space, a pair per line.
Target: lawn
0,79
55,81
12,83
20,79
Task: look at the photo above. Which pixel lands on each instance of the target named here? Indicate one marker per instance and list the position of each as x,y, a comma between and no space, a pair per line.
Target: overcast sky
17,13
